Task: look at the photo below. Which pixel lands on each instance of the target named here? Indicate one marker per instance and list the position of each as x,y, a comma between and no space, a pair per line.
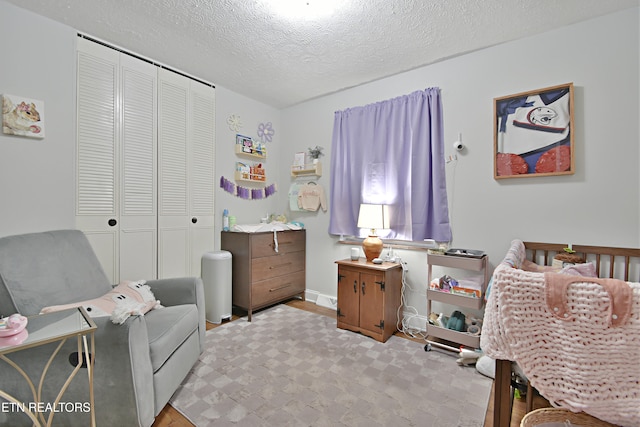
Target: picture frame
299,160
534,133
22,116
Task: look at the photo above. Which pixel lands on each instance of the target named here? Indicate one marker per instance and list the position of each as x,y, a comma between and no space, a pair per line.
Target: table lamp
373,217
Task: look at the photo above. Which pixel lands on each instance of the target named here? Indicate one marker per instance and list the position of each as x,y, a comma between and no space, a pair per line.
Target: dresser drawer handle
280,287
278,266
272,245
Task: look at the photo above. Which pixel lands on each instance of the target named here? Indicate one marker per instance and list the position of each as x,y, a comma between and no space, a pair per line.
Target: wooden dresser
267,269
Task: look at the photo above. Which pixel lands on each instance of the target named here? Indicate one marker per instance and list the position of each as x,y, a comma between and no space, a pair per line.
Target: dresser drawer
263,245
277,288
278,265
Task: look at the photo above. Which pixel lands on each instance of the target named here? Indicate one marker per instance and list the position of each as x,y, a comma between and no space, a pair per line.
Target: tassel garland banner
247,193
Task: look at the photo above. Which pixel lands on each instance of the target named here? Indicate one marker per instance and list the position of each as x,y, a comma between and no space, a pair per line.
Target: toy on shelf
466,287
245,172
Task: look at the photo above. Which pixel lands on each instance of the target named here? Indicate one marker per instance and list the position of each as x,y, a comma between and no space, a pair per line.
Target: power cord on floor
404,318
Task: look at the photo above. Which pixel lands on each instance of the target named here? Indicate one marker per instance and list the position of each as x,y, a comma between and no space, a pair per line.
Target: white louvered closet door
186,138
97,153
173,185
138,170
116,160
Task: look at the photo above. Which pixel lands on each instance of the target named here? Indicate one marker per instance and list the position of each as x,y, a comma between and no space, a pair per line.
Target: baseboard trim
321,299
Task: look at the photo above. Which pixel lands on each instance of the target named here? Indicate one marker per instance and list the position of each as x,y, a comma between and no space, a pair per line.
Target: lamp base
372,247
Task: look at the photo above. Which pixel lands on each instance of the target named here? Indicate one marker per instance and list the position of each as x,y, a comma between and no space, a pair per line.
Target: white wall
37,176
599,205
251,113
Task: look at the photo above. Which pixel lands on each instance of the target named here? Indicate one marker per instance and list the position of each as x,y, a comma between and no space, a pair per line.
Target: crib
586,362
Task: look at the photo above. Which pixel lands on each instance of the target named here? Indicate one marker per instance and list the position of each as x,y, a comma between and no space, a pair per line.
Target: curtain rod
150,61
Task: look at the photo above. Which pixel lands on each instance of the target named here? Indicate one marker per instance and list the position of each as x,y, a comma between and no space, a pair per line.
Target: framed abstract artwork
22,116
533,133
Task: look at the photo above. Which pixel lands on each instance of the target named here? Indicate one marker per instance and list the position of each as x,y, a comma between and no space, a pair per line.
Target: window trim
394,243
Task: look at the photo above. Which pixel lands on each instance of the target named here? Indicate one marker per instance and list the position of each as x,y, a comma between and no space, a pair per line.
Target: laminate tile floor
169,417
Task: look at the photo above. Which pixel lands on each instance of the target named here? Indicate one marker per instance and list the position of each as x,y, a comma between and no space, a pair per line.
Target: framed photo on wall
533,133
22,116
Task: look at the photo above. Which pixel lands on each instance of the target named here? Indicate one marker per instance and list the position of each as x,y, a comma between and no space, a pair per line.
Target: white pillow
586,269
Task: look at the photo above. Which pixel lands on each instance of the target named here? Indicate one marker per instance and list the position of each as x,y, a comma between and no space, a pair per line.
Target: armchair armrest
176,291
182,290
123,350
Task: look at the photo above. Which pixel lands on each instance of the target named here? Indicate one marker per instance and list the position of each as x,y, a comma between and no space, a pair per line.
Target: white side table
44,329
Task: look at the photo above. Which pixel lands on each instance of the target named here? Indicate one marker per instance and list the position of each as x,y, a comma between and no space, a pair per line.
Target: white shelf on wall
240,150
308,169
249,177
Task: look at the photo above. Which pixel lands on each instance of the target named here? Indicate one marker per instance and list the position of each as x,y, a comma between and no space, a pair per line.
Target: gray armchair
138,365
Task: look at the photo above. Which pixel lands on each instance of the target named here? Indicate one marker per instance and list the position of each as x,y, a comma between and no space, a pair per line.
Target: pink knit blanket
585,358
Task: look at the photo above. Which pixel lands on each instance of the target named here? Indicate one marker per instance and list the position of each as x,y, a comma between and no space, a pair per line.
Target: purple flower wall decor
266,132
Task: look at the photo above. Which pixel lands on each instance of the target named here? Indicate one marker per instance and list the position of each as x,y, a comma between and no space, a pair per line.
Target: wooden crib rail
610,262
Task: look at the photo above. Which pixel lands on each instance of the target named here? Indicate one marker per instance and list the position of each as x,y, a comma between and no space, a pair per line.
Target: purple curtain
391,152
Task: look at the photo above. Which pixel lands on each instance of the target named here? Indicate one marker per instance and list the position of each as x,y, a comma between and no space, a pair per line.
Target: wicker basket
562,417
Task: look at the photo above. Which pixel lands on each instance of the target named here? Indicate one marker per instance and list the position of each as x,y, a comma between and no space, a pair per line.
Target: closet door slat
96,172
172,140
203,151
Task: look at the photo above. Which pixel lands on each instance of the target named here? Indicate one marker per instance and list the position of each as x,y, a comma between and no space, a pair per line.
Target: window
392,153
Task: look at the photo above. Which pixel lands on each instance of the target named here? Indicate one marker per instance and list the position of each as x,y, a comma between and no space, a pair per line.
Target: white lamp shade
373,216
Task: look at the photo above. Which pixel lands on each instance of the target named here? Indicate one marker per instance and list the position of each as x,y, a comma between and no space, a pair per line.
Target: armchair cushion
167,330
183,290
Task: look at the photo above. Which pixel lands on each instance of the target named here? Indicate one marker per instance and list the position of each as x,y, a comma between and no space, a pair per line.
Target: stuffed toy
125,300
456,321
468,357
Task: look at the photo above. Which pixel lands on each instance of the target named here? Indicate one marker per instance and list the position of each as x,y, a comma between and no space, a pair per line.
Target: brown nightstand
369,296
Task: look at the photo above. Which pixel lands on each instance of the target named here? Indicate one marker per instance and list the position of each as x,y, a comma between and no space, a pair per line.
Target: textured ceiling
244,46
